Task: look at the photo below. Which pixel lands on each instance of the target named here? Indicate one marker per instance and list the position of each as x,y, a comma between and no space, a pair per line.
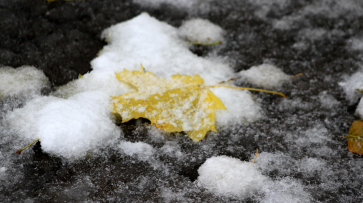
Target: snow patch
356,44
231,177
241,108
265,75
200,30
359,110
67,128
140,149
157,3
350,86
285,190
2,173
104,81
23,81
158,47
327,101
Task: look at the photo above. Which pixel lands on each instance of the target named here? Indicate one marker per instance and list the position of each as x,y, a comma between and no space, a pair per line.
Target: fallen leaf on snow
179,103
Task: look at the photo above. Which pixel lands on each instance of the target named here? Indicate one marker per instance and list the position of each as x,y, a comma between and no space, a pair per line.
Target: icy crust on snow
23,81
201,31
230,177
350,84
264,75
159,48
66,128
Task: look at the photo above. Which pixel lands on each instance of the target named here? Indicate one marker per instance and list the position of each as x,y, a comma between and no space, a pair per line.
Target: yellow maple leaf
176,104
179,103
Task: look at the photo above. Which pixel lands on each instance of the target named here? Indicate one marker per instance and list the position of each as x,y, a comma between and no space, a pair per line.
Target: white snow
143,152
359,110
232,177
268,162
140,149
104,81
22,81
157,3
201,30
285,190
265,75
293,104
67,128
241,108
312,34
351,84
311,165
327,101
172,149
356,44
317,134
2,173
156,45
191,6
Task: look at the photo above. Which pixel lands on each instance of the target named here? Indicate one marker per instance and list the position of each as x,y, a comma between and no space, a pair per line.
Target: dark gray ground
61,38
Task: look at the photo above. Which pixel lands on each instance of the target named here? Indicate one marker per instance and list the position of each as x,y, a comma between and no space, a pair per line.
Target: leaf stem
20,150
297,75
255,156
206,43
247,88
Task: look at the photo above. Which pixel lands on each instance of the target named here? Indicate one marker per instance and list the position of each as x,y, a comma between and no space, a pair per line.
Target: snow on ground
67,128
356,44
81,122
157,3
231,177
143,150
241,107
23,81
201,31
154,44
228,176
303,157
104,81
265,75
359,111
350,84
